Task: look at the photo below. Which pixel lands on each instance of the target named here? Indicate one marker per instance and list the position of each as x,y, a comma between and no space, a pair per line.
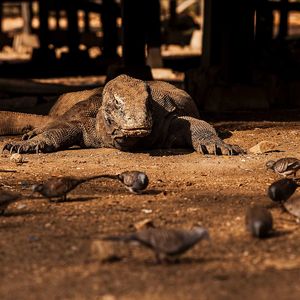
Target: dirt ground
45,248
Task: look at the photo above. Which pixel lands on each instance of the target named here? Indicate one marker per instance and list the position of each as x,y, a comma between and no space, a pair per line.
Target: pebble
292,205
17,158
264,147
143,224
33,238
21,206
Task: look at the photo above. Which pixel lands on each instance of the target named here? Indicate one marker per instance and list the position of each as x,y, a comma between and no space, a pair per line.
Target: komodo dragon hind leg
203,137
56,136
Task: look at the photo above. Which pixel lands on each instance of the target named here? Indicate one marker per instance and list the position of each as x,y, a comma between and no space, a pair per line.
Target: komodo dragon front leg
55,136
201,136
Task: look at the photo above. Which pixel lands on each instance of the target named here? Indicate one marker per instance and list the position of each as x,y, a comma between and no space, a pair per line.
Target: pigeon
165,243
259,221
59,187
134,181
6,198
282,189
284,166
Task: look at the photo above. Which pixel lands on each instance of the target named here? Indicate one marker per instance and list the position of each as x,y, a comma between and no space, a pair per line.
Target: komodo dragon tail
18,123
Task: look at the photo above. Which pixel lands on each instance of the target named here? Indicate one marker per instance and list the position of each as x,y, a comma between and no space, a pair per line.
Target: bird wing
162,240
293,165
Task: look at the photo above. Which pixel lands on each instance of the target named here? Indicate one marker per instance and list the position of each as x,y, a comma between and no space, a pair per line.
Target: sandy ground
45,247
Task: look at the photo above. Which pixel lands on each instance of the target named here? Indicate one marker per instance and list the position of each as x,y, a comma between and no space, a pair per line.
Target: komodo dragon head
126,111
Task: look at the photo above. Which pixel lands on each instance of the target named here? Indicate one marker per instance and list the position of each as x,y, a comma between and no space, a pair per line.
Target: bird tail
102,176
124,238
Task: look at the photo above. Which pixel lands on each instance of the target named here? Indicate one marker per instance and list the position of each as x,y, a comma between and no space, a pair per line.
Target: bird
284,166
282,189
165,243
259,221
57,188
134,181
6,198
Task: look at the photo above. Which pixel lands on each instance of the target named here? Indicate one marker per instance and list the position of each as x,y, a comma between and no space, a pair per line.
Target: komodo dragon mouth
126,139
136,132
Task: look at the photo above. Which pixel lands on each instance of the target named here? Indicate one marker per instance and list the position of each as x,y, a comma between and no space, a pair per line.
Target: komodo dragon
129,115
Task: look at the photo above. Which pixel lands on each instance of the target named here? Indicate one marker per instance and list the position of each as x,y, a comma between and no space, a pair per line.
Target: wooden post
109,27
43,28
237,39
153,34
133,32
284,16
228,37
25,11
73,29
264,23
211,33
172,11
133,41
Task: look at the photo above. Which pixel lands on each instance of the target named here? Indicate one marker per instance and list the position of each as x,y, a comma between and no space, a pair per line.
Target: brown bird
259,221
285,166
282,189
165,243
6,198
134,181
59,187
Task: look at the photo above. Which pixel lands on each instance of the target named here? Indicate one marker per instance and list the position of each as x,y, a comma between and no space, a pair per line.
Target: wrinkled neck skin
125,116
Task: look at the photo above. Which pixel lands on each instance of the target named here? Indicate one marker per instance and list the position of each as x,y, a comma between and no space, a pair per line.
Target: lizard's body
129,115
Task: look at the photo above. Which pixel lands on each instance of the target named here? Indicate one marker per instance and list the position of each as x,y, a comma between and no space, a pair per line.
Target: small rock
292,205
74,248
146,223
107,250
264,147
108,297
147,211
21,206
17,158
33,238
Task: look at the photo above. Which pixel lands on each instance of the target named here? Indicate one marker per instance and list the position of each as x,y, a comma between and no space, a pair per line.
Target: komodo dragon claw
216,148
27,147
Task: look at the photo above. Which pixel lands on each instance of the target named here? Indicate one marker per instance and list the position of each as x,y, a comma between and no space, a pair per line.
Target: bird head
201,232
37,188
270,164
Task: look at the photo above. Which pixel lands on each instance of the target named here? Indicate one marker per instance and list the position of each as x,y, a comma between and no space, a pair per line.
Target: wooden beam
133,32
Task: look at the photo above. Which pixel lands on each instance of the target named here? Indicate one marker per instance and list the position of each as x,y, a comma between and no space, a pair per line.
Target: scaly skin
129,115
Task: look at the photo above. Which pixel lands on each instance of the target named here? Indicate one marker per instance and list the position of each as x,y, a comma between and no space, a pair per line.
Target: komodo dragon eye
108,120
118,101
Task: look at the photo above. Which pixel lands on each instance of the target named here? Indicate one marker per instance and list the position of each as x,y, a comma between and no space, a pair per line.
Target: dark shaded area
245,63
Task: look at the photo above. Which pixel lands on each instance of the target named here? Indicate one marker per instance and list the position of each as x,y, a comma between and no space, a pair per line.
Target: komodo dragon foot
53,138
218,148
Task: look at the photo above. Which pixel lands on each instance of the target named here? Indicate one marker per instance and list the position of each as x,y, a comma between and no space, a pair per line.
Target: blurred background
229,55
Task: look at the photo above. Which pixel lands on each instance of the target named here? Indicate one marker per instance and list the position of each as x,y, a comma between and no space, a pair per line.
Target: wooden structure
230,36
